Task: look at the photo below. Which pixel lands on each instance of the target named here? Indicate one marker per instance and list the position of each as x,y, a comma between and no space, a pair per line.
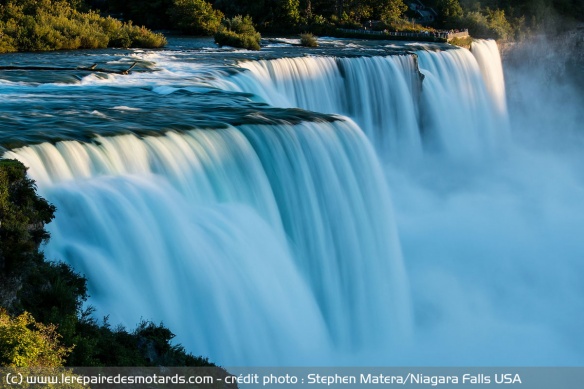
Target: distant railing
424,35
458,34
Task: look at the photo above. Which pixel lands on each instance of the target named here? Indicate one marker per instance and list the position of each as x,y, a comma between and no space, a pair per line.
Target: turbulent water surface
363,203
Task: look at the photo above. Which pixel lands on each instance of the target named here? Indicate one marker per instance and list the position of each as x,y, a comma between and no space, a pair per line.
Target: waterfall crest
448,101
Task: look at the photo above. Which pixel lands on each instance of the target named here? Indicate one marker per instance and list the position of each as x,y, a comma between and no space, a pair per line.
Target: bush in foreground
24,342
308,40
238,32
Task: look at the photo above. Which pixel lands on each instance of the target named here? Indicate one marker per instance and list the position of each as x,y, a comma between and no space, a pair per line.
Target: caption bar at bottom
529,378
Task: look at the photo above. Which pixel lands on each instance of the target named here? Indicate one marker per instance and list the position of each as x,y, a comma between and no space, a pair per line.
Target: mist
493,246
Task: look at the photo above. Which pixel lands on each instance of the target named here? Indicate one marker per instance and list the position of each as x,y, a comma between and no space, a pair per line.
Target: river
373,203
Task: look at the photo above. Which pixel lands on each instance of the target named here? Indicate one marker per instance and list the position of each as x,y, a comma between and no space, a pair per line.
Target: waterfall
456,108
487,55
461,116
248,209
270,244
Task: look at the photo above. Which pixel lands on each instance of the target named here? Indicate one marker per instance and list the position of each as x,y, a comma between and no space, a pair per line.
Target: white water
277,244
459,110
350,86
257,245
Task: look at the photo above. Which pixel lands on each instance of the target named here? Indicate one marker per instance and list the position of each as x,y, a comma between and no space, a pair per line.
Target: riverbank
46,26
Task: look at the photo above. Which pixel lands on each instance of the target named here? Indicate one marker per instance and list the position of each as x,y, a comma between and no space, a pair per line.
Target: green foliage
515,19
357,11
477,24
238,32
465,42
274,15
402,25
308,40
287,13
450,12
392,10
345,21
140,37
319,25
200,17
148,345
22,218
195,17
499,24
28,25
26,343
491,24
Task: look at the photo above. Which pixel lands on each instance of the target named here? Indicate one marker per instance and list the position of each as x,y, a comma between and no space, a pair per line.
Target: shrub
142,37
477,24
308,40
465,42
238,32
26,343
196,17
56,25
492,24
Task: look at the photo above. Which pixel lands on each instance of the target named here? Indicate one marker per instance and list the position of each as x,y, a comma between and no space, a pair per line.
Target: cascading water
388,100
191,229
488,58
456,83
272,239
348,86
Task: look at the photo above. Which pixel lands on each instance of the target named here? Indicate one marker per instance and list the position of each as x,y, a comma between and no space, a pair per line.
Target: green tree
499,24
358,10
449,12
195,17
268,14
391,10
34,348
287,12
477,24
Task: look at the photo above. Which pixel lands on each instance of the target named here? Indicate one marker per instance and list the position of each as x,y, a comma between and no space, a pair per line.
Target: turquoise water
358,204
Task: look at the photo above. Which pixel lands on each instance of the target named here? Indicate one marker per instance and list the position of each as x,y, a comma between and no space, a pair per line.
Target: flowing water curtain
336,209
463,112
264,244
457,107
378,93
488,57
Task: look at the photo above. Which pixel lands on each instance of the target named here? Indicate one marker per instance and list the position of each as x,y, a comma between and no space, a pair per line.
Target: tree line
31,25
499,19
509,19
